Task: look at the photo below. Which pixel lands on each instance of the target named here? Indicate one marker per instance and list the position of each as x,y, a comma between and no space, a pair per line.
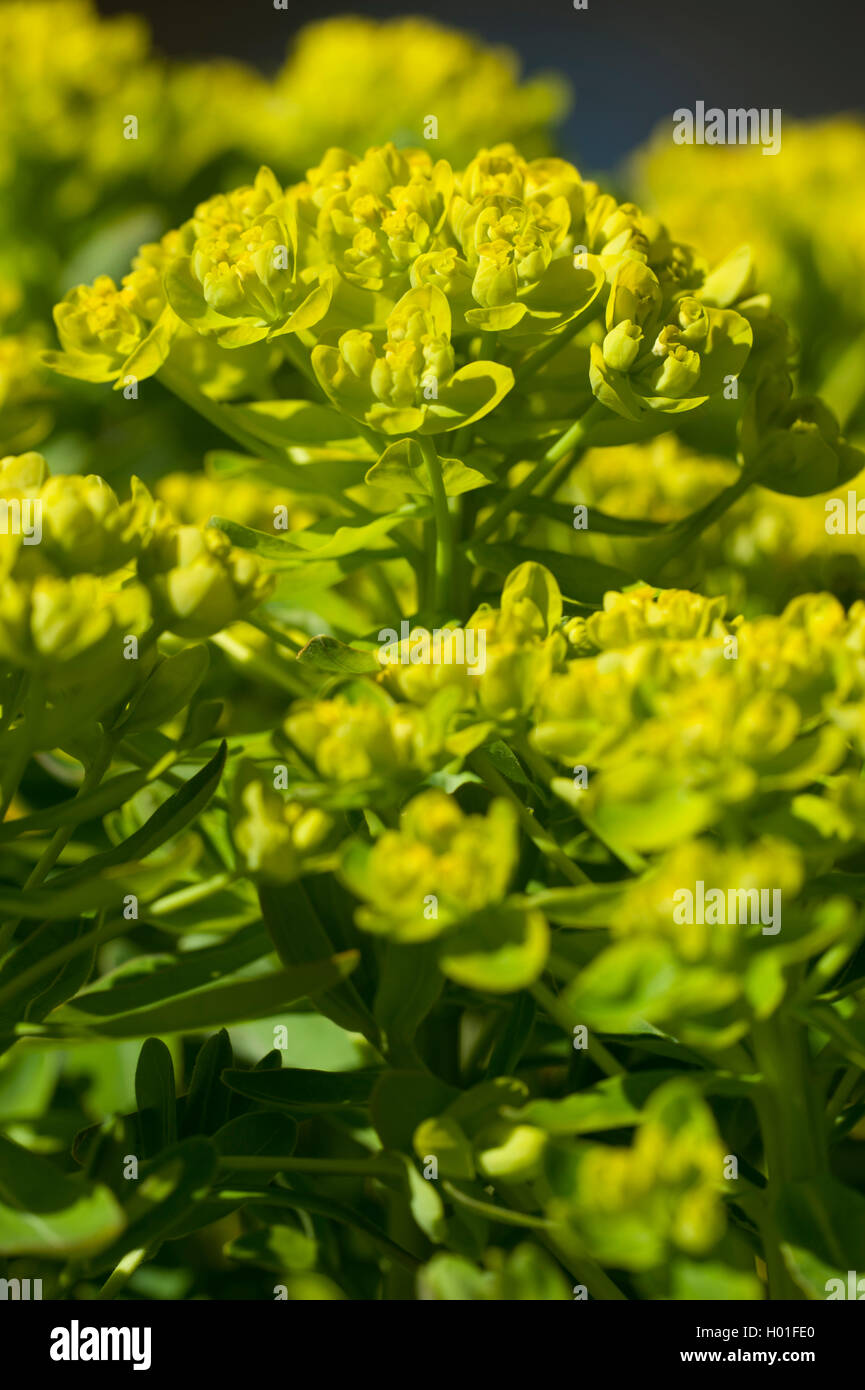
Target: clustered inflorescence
432,672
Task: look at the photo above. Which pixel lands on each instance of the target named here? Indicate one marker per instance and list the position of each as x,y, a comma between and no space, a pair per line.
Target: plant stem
843,388
535,831
14,701
843,1092
217,414
63,833
780,1047
63,954
563,1015
576,436
695,524
545,354
122,1273
193,893
13,770
794,1134
444,549
262,664
61,836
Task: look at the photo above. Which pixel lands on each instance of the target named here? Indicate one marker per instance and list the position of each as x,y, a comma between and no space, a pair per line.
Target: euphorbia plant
473,865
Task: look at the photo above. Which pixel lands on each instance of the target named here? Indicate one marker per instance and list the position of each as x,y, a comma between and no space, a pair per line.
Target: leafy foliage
358,789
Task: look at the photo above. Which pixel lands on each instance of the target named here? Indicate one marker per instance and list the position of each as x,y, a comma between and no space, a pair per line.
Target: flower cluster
801,214
93,582
426,716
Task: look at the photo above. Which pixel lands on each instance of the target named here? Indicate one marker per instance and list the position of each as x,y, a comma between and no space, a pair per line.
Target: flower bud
621,346
199,582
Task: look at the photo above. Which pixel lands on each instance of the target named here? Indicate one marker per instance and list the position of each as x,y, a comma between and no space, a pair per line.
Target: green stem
260,663
794,1135
14,700
568,1249
545,354
444,550
532,827
13,770
122,1273
217,414
844,387
576,436
694,525
565,1017
781,1050
186,897
61,836
55,959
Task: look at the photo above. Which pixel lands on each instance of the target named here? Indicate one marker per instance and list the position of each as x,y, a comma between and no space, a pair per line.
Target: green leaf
148,980
624,986
708,1281
207,1099
452,1278
589,905
162,1196
334,657
222,1004
471,393
301,575
256,998
530,1274
304,1090
442,1138
401,1100
532,583
409,986
500,950
176,813
77,809
281,1249
425,1204
615,1103
333,471
299,936
822,1225
259,1135
514,1039
330,539
601,523
168,689
847,1035
44,1212
155,1097
401,468
288,423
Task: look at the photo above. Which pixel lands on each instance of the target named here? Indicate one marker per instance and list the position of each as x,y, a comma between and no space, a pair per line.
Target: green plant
384,778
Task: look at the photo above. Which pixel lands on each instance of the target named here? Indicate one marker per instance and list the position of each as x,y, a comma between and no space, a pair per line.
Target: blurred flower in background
803,214
112,144
473,91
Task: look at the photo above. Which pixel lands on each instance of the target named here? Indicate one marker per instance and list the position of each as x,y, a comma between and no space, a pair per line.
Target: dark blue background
631,62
